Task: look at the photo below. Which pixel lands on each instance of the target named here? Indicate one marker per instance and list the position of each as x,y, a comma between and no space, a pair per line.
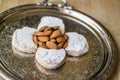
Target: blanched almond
43,28
42,44
51,45
60,45
65,45
35,40
56,27
43,38
60,39
56,34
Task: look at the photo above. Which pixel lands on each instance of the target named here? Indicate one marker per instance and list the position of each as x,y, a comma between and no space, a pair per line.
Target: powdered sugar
23,40
51,22
50,58
77,44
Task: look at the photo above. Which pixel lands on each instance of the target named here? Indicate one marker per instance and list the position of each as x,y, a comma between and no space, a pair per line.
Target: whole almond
66,37
65,45
43,28
52,40
56,34
43,38
56,27
47,33
42,44
35,40
60,39
60,45
38,33
48,28
51,45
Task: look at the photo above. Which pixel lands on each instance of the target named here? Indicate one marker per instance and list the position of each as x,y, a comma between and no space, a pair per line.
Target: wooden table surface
105,11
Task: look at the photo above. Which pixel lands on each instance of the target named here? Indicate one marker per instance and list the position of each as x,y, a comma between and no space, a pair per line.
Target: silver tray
97,64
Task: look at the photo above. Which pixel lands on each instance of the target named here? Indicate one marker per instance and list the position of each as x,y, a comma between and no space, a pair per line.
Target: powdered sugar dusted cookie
77,44
22,40
51,22
50,58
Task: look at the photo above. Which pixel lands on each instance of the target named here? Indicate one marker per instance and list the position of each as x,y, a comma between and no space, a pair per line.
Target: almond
38,33
60,45
43,28
60,39
56,34
56,27
47,33
66,37
51,45
65,45
35,40
42,44
43,38
52,40
48,28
